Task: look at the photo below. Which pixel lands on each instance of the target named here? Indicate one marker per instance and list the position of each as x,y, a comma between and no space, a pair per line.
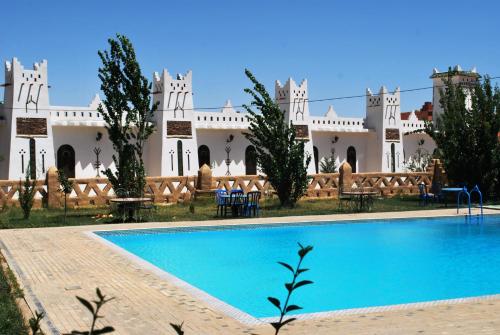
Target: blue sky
341,47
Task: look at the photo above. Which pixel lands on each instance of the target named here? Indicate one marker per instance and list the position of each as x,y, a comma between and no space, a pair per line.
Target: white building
32,131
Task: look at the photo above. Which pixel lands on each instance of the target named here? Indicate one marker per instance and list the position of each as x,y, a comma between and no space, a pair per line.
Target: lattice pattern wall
98,191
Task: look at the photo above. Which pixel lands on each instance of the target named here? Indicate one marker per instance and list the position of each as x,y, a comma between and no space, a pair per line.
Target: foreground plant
34,323
95,315
178,328
291,287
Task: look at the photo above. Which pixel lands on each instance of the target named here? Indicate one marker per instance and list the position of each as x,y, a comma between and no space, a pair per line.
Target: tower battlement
175,95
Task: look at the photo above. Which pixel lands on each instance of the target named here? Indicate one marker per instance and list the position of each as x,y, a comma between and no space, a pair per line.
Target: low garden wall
98,191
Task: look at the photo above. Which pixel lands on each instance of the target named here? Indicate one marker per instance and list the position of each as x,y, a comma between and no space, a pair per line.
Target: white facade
66,137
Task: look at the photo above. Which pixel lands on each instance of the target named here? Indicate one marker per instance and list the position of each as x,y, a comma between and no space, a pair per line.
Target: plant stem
295,275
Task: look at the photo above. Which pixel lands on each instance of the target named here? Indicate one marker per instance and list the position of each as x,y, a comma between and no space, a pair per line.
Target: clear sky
341,47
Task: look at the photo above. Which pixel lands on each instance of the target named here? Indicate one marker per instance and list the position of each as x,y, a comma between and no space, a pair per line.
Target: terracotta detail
31,126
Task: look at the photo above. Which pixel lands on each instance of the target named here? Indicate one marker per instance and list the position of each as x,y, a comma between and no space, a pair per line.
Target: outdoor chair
252,203
220,200
236,203
424,196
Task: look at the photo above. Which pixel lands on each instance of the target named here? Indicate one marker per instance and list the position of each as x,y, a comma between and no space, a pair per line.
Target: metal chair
424,196
236,202
252,203
220,200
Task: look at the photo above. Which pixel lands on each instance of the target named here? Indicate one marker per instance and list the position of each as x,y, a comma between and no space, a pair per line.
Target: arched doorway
351,158
66,160
250,161
203,155
393,158
180,163
316,159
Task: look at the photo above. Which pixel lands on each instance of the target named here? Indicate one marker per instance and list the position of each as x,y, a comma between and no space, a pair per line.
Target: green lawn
204,209
11,320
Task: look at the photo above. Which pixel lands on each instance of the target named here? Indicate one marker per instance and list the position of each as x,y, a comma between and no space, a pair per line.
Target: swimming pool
369,263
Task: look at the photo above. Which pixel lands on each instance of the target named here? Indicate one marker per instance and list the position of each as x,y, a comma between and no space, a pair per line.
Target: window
203,155
393,158
250,160
316,159
180,165
351,158
32,158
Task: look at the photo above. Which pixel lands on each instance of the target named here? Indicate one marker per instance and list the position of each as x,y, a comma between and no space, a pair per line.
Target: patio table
131,205
234,208
450,190
362,196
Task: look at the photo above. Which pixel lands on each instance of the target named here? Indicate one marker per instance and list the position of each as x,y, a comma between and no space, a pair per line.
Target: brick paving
55,264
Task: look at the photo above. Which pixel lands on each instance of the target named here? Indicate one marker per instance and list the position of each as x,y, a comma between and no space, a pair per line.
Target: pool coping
247,318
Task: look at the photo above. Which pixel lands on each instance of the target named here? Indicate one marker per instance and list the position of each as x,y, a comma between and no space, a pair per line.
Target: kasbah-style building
32,131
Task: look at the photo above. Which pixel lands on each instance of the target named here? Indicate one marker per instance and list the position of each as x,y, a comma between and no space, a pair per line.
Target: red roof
425,113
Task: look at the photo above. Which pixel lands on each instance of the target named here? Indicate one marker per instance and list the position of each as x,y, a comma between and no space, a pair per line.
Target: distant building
32,131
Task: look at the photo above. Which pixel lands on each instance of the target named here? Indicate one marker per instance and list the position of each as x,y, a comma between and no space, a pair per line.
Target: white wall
83,141
216,142
323,141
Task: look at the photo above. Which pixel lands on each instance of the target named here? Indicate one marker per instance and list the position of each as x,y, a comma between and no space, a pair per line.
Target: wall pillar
53,188
205,183
345,177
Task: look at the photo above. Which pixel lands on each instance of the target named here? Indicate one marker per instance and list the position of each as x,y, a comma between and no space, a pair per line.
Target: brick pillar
204,183
53,189
345,176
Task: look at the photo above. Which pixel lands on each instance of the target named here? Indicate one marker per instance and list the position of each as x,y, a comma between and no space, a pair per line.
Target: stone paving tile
56,264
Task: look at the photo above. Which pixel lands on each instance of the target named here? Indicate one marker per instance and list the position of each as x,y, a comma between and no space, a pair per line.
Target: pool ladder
467,194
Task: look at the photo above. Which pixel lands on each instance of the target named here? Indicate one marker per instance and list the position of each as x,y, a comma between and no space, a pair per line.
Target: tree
279,154
329,164
66,188
419,161
27,192
466,135
127,112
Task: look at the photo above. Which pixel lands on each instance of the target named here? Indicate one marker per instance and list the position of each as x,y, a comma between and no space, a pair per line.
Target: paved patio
55,264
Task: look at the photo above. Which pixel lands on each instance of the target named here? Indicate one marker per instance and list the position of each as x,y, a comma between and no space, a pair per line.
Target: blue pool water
372,263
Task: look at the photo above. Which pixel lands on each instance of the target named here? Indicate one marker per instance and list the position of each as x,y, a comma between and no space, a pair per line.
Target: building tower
172,149
383,114
27,142
457,76
293,100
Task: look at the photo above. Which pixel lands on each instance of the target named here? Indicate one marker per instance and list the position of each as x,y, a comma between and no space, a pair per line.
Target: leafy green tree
127,112
279,154
467,136
27,192
329,164
66,188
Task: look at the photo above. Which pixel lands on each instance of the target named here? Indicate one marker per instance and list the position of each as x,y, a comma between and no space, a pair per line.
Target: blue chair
220,200
424,196
236,202
252,203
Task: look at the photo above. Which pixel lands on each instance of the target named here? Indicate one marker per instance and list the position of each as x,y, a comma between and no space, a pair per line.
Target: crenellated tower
173,147
383,114
293,100
458,77
28,138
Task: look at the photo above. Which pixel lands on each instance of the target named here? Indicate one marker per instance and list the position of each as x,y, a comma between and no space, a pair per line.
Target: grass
204,209
11,320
